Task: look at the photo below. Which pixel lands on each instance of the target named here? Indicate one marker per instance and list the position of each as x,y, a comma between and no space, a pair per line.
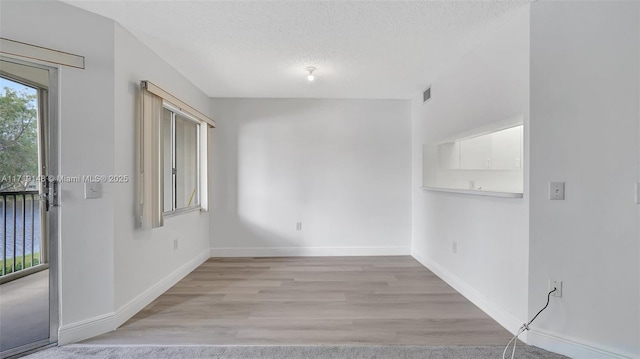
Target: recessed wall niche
486,161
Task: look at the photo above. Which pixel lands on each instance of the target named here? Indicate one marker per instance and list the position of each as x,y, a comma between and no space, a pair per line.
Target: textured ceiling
362,49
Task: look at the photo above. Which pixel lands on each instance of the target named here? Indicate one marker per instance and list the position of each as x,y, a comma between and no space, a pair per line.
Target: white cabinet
500,150
475,153
506,149
449,155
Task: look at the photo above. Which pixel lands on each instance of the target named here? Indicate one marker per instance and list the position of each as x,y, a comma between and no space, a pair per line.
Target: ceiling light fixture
310,76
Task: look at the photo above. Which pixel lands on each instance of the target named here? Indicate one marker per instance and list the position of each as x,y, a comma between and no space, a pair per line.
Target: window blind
150,179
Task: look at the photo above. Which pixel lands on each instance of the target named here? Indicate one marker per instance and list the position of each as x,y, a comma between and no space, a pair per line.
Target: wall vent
426,95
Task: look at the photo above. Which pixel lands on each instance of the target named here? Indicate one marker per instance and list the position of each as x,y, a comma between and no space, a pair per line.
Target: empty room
319,179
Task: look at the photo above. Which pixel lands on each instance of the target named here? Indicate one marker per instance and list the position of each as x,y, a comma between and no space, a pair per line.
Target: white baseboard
85,329
101,324
571,347
309,251
504,318
138,303
554,342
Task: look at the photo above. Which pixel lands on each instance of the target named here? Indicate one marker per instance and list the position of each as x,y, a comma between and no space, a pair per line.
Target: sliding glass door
28,213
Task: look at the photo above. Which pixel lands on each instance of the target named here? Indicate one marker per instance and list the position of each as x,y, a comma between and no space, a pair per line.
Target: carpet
288,352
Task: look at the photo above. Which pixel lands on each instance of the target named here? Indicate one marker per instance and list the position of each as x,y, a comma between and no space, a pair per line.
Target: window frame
175,112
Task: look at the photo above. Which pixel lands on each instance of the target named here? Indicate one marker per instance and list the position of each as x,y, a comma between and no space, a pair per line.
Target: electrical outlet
298,226
454,247
175,244
554,283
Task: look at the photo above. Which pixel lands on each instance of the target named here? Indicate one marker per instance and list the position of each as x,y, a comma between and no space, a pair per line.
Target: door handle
50,195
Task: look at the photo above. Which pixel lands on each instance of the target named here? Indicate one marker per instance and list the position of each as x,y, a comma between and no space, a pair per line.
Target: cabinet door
449,155
506,149
475,153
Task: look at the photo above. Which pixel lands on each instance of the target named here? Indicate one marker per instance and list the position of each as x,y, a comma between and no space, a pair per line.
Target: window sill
180,211
476,192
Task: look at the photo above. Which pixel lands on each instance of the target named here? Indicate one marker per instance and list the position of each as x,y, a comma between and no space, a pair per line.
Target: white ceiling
362,49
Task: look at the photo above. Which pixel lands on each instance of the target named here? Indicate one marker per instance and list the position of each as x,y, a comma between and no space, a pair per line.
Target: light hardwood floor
310,300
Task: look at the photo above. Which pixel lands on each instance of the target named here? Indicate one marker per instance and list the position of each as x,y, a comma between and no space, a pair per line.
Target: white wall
109,269
86,146
342,167
584,130
145,257
491,264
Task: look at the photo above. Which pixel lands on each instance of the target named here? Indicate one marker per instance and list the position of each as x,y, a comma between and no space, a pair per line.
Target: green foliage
9,265
18,139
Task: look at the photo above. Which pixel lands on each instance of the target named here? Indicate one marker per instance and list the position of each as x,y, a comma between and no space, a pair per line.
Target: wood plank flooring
309,301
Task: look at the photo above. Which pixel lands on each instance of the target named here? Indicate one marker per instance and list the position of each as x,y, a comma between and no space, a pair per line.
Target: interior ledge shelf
476,192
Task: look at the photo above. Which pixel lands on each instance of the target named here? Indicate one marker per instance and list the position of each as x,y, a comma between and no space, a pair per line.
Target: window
172,152
181,160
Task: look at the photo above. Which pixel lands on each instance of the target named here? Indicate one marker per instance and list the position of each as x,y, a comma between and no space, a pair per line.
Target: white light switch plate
92,190
556,190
